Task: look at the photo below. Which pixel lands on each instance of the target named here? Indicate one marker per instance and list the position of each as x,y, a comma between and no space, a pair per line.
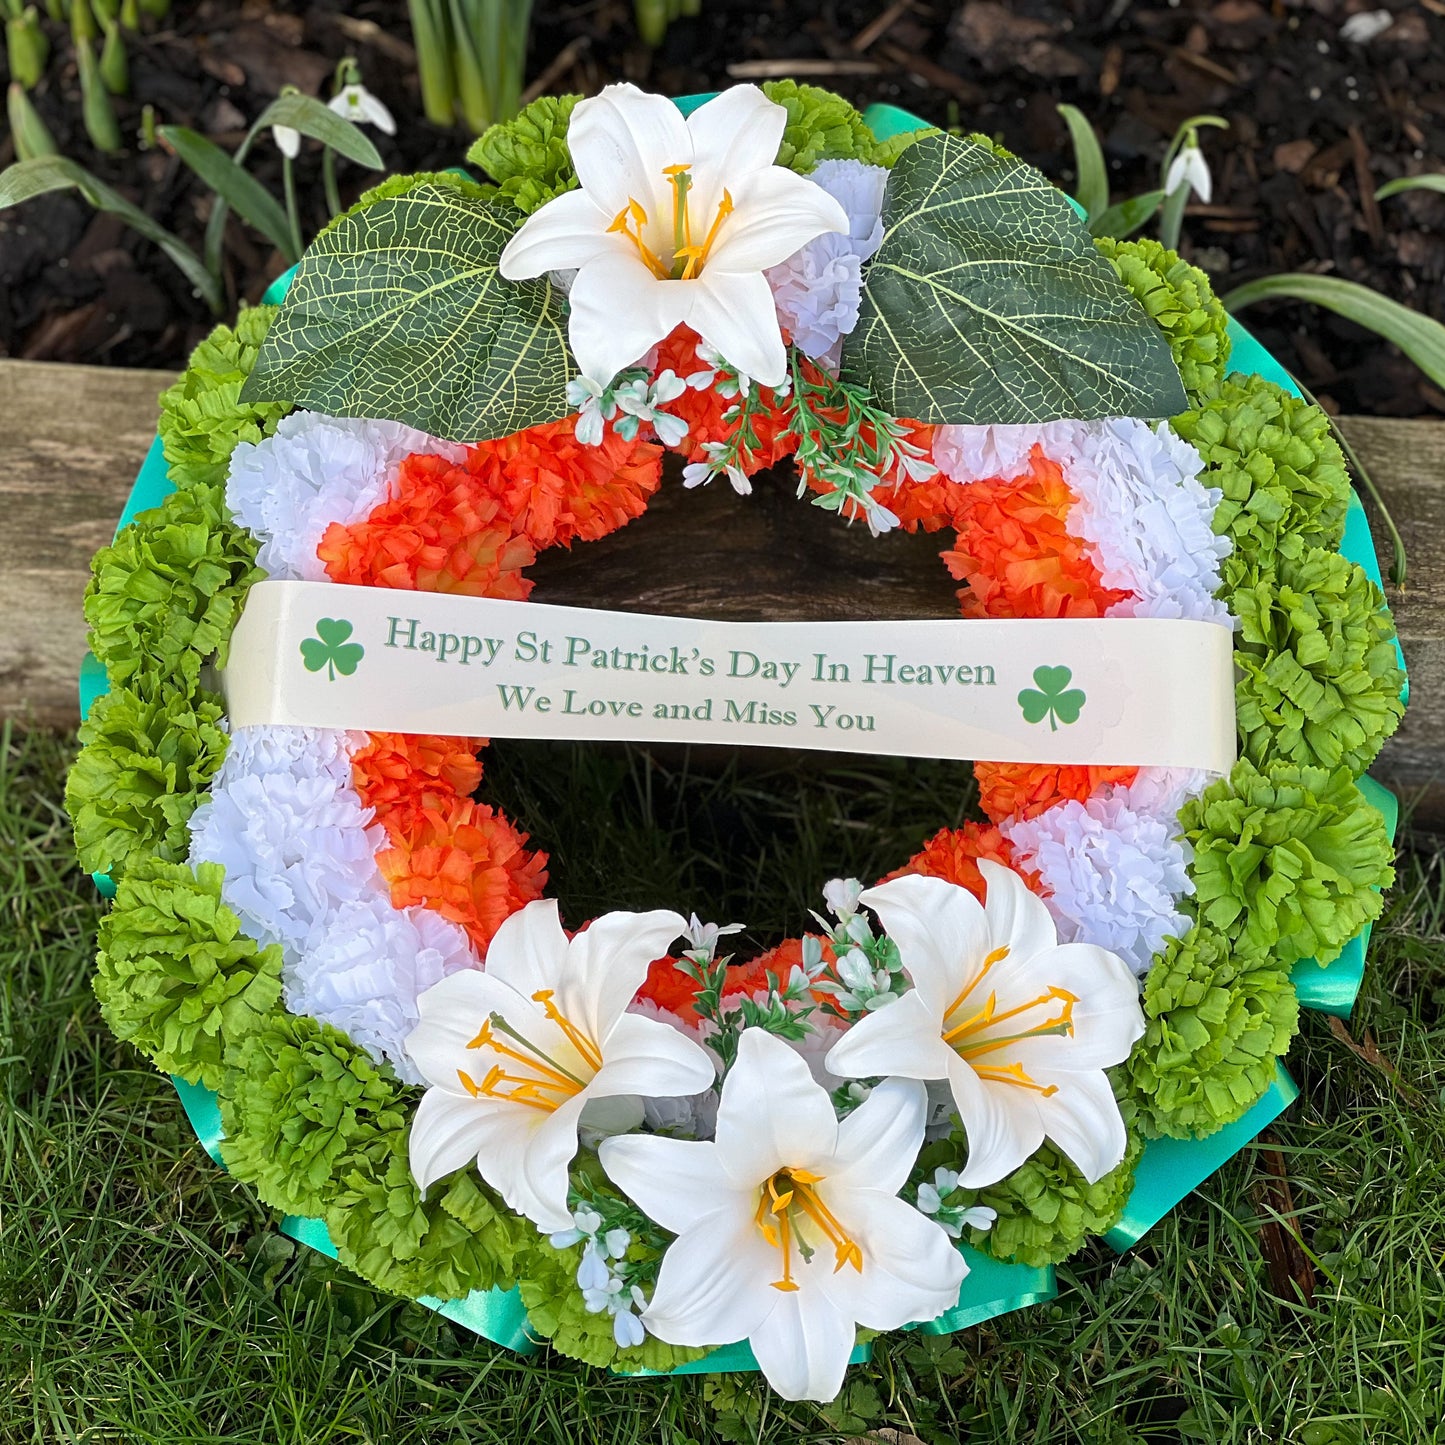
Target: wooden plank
71,441
705,553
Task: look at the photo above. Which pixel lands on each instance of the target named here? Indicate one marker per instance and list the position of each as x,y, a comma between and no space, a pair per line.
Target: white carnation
363,973
977,453
314,471
1114,876
819,288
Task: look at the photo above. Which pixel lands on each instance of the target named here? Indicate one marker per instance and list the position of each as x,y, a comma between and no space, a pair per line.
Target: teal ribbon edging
1168,1170
1171,1168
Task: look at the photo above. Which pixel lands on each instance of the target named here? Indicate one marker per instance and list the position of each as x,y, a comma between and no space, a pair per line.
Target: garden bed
1317,121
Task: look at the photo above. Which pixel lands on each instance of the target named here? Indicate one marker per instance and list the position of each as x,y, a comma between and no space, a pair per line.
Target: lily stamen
1014,1074
986,1017
573,1034
631,221
791,1190
697,255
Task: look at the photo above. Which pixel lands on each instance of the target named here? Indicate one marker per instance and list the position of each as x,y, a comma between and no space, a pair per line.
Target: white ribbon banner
1108,691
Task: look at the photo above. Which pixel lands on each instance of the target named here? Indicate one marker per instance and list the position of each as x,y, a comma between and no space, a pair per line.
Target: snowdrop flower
1368,25
515,1054
357,104
288,140
674,223
1189,168
790,1232
642,401
1020,1026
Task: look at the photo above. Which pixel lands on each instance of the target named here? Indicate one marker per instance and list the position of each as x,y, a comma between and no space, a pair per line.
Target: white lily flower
1189,168
790,1229
675,223
358,105
516,1052
1020,1026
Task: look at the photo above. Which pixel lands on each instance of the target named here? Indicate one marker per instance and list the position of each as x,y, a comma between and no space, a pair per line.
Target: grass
144,1297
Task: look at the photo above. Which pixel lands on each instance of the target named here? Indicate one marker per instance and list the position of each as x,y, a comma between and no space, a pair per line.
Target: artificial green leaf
239,188
398,312
26,179
320,122
988,302
1420,337
1092,185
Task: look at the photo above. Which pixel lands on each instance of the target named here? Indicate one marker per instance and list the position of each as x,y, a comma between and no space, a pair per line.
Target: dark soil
1315,124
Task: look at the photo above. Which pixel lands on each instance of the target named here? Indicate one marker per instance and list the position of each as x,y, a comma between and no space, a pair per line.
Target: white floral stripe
299,852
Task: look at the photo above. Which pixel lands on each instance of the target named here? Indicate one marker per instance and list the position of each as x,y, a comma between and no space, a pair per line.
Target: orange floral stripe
1024,790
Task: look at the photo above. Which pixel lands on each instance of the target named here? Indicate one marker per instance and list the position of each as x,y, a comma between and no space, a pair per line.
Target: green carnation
1180,302
176,976
1046,1209
299,1097
1281,471
822,126
460,1239
1287,860
143,764
202,416
164,596
556,1309
1319,677
527,156
1217,1021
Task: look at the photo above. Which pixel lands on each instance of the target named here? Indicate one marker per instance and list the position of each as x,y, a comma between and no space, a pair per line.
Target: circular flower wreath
665,1147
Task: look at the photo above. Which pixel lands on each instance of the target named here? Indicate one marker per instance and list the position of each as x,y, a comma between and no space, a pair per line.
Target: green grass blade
311,117
237,187
1421,338
27,179
1126,218
1092,188
1433,182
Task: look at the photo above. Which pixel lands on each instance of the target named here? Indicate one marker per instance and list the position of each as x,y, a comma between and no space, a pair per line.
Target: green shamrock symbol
330,649
1054,699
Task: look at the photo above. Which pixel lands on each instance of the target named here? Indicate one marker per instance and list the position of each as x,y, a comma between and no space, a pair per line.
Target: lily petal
444,1136
1083,1119
620,311
1002,1124
772,1114
735,315
776,212
1016,916
450,1013
677,1182
622,141
648,1057
879,1141
607,963
524,1154
713,1285
940,930
529,951
803,1346
911,1269
901,1038
733,135
568,231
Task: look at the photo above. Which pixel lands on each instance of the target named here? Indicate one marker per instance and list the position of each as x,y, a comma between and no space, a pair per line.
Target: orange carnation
553,489
1024,790
399,774
441,531
468,862
1016,553
669,987
703,411
953,853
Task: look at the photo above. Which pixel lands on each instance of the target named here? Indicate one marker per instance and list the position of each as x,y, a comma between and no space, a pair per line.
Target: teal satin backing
1168,1170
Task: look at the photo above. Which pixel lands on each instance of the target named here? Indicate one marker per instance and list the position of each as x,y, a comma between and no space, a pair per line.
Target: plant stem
328,179
288,178
432,33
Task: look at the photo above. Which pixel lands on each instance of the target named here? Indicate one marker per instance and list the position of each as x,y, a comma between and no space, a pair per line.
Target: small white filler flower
516,1052
1020,1026
790,1232
675,223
